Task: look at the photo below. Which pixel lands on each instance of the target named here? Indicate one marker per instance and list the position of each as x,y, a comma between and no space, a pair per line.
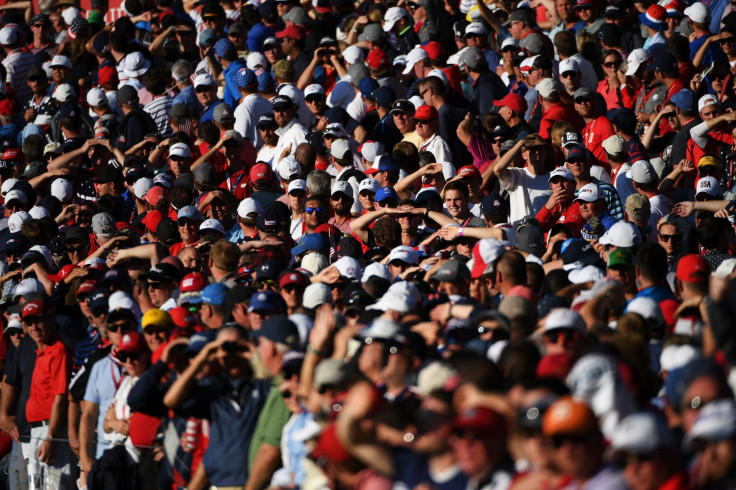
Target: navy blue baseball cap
685,100
98,299
384,96
225,48
199,340
266,301
246,77
367,86
388,163
279,329
311,241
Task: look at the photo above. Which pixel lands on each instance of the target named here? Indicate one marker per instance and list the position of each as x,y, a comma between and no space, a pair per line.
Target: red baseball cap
515,102
7,107
14,154
261,171
377,59
692,268
192,283
425,113
108,75
132,342
152,219
87,287
182,317
434,50
293,31
293,278
481,419
469,171
63,272
37,307
156,194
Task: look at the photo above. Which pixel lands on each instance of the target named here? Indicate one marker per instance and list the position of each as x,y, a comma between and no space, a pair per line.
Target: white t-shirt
528,193
661,206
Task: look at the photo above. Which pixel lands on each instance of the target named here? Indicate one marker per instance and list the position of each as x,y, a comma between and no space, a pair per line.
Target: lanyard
115,381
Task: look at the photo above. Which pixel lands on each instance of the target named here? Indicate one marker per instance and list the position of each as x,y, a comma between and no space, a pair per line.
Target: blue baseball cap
311,241
207,37
386,193
279,329
225,48
190,212
384,96
266,301
245,77
199,340
685,100
387,162
214,294
577,152
367,85
265,80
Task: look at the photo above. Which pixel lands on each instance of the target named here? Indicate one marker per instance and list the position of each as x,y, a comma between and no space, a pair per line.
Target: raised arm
501,169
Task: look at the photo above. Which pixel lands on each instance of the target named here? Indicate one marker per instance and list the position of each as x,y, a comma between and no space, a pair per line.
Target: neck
297,213
582,181
407,237
590,118
340,219
217,273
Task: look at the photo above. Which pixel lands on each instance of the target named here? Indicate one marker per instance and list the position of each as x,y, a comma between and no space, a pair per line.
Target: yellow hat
709,161
158,319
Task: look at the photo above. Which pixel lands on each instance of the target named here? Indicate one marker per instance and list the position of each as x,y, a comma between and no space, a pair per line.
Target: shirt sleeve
61,367
92,394
511,183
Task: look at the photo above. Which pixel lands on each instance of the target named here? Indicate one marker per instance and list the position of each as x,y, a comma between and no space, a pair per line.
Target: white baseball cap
9,35
96,97
212,224
646,308
62,189
368,184
353,55
16,195
69,14
706,100
317,294
15,221
715,422
180,150
64,92
635,59
405,254
589,193
415,55
509,41
141,187
249,206
436,72
370,150
589,273
256,60
476,28
641,433
376,269
622,234
614,145
708,185
546,88
39,212
698,12
340,149
297,185
348,267
204,79
642,172
563,172
315,88
344,187
287,167
568,64
564,318
393,15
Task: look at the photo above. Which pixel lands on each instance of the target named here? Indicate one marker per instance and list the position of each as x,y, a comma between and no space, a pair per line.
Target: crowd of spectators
348,244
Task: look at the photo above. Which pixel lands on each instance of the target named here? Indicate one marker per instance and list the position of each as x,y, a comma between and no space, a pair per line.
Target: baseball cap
708,185
641,433
620,257
452,270
562,172
589,193
403,253
638,207
642,172
692,268
635,59
685,100
515,102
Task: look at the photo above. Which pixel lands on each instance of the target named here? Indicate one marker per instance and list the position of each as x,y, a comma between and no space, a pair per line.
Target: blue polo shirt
208,115
232,94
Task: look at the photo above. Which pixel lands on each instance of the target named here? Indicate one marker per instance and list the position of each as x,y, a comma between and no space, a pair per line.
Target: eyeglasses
183,223
311,210
36,79
585,8
611,64
667,238
202,88
497,141
128,356
341,197
568,74
120,326
78,248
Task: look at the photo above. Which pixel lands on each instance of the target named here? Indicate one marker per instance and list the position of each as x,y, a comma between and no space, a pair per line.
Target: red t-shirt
594,134
559,112
50,378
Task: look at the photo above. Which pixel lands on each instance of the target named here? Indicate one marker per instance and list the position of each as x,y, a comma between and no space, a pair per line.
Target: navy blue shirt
19,376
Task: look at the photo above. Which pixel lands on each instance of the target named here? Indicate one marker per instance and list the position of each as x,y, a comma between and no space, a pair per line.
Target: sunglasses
559,441
611,64
128,356
202,89
15,333
120,326
311,210
235,35
313,98
185,222
265,282
568,335
568,74
728,40
79,248
668,238
36,79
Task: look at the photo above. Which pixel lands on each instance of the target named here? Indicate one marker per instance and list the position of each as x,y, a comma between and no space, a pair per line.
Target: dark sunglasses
15,333
156,285
120,326
79,248
560,440
611,64
311,210
265,282
667,238
568,335
128,356
185,222
568,74
202,89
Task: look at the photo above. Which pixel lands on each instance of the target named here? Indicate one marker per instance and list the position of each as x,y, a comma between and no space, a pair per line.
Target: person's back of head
318,184
156,81
512,267
181,70
712,233
565,44
33,148
651,262
225,255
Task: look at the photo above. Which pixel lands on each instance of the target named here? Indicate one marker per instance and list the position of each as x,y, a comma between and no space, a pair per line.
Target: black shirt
20,376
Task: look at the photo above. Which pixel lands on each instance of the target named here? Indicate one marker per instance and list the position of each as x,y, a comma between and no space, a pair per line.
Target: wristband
313,350
460,231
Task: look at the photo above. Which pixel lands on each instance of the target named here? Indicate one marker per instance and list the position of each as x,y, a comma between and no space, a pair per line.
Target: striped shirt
18,63
159,108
